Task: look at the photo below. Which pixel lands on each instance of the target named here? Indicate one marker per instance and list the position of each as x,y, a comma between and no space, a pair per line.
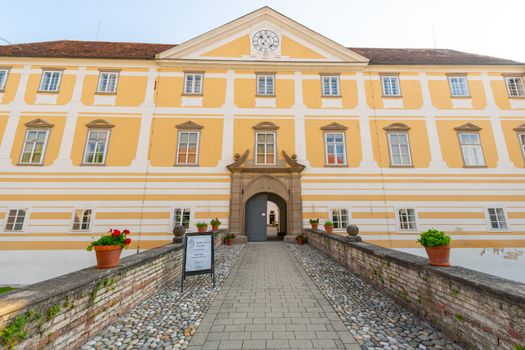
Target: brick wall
478,310
64,312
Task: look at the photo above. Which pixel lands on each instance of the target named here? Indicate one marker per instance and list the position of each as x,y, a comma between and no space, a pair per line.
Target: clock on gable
265,41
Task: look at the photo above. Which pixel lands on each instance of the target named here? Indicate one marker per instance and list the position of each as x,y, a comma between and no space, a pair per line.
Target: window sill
105,93
499,231
331,96
408,232
392,96
192,95
461,97
29,164
336,165
184,165
268,96
475,166
92,164
47,92
402,166
517,97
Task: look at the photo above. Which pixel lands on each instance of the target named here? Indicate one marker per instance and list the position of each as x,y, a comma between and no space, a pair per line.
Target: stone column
235,222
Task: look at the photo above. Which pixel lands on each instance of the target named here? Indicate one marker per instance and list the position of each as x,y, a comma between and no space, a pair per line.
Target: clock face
265,41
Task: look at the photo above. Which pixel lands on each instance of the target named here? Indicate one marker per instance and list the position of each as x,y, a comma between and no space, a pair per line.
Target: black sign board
199,256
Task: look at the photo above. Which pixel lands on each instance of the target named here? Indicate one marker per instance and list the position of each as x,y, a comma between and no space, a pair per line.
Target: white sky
487,27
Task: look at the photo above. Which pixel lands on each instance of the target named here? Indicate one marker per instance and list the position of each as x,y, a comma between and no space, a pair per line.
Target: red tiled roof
145,51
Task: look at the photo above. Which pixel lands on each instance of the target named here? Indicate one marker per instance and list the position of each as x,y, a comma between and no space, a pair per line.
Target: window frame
489,220
465,165
182,208
338,79
258,132
325,134
4,81
467,89
398,220
521,142
391,154
91,219
187,131
266,76
59,71
117,76
520,78
106,146
24,223
44,148
348,217
193,93
398,82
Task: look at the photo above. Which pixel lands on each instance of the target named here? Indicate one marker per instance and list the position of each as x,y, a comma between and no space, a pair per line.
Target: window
15,220
265,148
471,149
82,219
390,85
498,221
458,86
335,148
34,147
107,82
330,85
340,218
188,149
96,147
399,149
193,83
3,78
515,86
407,219
522,143
50,80
181,216
265,85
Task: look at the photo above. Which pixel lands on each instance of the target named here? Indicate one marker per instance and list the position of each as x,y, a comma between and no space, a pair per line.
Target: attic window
193,83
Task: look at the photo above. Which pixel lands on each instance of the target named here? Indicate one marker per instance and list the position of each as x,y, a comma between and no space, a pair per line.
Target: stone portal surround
480,311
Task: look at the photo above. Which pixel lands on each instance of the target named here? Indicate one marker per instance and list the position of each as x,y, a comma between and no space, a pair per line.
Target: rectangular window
340,218
399,149
34,147
265,85
335,148
188,148
96,147
498,221
458,86
107,82
82,219
265,147
50,80
181,216
471,149
407,219
522,143
193,83
515,86
3,78
390,85
15,220
330,85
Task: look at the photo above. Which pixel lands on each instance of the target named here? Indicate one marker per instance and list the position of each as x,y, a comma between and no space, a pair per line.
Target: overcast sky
491,27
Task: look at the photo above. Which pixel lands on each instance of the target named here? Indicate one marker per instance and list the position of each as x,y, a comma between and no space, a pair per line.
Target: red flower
115,233
126,232
128,241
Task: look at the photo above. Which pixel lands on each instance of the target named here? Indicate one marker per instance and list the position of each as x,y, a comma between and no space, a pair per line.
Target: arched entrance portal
259,220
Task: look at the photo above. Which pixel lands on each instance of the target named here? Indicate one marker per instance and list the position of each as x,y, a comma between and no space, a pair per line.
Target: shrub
433,238
115,237
314,221
328,223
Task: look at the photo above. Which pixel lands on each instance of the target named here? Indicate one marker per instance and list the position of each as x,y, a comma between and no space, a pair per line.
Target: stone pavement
269,302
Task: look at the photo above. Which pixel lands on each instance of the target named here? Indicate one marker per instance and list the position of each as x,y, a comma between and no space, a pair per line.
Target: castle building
96,135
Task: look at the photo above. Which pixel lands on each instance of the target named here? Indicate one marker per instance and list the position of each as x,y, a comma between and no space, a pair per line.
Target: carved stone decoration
334,127
99,124
189,125
468,127
38,123
520,128
352,230
262,126
397,127
292,162
178,232
239,160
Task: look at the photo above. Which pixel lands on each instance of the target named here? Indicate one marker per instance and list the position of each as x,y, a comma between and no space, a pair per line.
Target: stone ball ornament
179,230
352,230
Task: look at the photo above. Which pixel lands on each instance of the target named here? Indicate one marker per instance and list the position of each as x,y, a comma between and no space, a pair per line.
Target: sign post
199,256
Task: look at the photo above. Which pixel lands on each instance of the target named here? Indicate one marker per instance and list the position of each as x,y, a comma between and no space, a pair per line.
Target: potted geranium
300,239
109,247
314,223
329,226
228,239
201,227
215,223
437,245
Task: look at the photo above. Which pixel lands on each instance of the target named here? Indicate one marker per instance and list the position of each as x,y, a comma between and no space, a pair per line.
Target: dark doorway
257,218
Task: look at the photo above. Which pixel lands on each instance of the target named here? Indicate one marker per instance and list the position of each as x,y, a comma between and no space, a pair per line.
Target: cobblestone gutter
478,310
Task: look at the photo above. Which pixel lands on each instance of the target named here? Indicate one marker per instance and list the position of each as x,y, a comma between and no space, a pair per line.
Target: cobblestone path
269,302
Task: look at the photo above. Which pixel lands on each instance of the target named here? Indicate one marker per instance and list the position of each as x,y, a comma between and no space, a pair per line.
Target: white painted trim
265,102
106,145
91,219
393,102
197,149
46,98
326,148
104,100
398,221
24,224
461,103
44,147
192,101
489,223
517,103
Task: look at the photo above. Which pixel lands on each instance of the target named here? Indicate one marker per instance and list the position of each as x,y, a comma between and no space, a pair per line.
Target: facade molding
397,127
189,125
39,123
99,124
334,126
468,127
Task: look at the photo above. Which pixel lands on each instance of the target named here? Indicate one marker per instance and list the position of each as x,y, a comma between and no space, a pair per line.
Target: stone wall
478,310
65,311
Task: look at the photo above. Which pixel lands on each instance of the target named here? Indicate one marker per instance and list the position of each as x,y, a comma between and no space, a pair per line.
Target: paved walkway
269,302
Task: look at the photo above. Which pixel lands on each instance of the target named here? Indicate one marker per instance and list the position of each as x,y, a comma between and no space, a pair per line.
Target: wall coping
504,288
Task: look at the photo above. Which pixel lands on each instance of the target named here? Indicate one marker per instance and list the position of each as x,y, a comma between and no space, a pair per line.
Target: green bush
433,238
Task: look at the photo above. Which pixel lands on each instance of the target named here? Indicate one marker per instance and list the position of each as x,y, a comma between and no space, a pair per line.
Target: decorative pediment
189,125
265,126
468,127
99,124
520,128
397,127
334,127
38,123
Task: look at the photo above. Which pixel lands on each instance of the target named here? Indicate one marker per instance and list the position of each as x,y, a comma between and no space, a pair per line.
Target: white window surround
340,216
521,138
265,84
515,86
184,143
406,219
181,209
193,83
330,86
265,143
96,149
107,82
497,216
4,73
458,85
334,144
471,150
50,81
16,225
390,86
32,144
85,221
400,154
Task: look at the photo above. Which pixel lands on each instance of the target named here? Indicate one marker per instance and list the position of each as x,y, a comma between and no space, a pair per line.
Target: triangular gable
468,127
38,123
286,40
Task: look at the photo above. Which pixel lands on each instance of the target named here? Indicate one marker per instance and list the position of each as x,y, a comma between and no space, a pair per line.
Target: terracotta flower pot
107,255
229,241
300,241
329,228
439,256
314,226
202,229
215,227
